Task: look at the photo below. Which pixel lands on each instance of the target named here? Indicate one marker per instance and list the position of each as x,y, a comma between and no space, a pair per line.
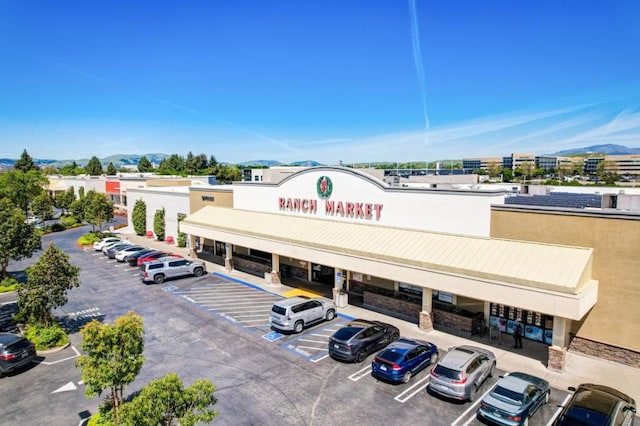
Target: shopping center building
444,258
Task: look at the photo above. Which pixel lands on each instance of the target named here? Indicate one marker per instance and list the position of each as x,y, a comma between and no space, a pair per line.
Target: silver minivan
295,313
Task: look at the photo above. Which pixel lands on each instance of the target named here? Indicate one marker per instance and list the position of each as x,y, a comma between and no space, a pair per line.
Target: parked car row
458,375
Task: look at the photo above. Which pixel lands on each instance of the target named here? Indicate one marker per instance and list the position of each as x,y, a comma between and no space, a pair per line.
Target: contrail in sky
417,58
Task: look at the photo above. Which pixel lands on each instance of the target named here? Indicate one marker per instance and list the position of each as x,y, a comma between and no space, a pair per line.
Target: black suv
15,352
359,338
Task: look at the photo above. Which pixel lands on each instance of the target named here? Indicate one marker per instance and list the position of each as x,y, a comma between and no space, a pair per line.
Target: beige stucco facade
220,196
615,239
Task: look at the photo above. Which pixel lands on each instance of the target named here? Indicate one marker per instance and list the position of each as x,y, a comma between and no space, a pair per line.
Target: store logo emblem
324,186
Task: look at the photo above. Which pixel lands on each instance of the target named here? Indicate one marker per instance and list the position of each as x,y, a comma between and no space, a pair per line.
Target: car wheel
159,279
198,272
395,336
331,314
493,367
299,325
361,355
406,377
434,358
473,394
547,397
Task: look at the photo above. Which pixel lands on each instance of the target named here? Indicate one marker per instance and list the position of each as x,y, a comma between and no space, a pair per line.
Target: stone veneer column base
426,322
557,358
228,265
275,278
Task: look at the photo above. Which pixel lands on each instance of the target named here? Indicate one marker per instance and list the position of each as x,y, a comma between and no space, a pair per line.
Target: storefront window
537,326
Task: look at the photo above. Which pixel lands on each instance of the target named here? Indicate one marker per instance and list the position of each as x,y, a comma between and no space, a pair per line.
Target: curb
53,350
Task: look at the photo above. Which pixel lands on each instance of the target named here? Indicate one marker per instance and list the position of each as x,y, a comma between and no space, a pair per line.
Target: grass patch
9,284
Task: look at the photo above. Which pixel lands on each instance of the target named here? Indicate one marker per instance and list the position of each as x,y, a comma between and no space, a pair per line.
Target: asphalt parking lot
216,327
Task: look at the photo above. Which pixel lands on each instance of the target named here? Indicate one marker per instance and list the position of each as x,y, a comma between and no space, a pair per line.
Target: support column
559,344
338,297
426,320
275,269
228,257
192,246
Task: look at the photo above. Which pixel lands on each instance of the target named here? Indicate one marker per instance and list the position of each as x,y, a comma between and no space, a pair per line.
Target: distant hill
274,163
610,149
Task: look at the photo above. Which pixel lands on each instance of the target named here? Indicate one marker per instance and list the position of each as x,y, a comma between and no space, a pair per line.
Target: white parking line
234,304
313,341
471,407
318,359
256,325
315,348
360,373
409,393
250,320
321,335
239,316
263,311
557,412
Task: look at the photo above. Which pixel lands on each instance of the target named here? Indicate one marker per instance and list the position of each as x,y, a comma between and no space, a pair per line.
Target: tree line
175,164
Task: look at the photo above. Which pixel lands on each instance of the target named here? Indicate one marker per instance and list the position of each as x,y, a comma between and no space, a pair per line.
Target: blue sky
346,80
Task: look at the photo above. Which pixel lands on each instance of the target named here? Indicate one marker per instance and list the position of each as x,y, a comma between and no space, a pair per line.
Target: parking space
248,307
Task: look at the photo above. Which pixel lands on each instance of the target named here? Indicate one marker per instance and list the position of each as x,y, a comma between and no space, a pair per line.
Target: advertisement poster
548,337
533,333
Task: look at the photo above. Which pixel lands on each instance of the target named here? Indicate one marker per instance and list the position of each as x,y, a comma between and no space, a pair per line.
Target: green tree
182,237
494,168
226,173
144,165
71,169
48,281
111,169
212,161
158,224
94,167
139,217
174,164
112,357
81,193
22,187
166,401
98,210
42,206
64,199
507,175
25,163
77,209
18,239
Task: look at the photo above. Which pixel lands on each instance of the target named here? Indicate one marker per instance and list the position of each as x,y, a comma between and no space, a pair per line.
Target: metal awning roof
557,268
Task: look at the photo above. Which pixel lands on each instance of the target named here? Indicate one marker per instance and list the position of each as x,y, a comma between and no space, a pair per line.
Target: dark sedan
359,338
597,405
132,259
514,399
15,352
402,359
155,255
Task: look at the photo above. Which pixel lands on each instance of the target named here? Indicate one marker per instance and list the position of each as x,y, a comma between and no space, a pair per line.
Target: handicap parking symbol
273,336
170,288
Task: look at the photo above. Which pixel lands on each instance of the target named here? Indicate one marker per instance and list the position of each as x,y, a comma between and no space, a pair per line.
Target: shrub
57,227
9,284
158,224
68,221
90,238
45,338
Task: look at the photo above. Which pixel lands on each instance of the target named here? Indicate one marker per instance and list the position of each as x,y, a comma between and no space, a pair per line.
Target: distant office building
517,160
480,163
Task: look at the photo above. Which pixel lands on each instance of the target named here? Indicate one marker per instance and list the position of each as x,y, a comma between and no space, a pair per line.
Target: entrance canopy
547,278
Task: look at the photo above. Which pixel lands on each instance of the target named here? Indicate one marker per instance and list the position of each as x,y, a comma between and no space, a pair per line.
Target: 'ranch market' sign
324,187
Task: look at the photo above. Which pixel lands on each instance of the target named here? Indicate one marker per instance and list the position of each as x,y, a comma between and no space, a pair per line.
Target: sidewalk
579,368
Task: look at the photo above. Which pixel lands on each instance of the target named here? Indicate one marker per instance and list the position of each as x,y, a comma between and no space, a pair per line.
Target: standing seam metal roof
545,266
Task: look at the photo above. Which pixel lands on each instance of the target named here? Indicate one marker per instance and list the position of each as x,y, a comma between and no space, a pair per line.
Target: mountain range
131,160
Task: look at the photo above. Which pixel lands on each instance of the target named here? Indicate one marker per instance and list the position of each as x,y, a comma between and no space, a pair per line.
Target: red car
155,255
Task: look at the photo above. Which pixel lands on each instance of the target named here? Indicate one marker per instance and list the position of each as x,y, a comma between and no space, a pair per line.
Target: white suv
295,313
159,270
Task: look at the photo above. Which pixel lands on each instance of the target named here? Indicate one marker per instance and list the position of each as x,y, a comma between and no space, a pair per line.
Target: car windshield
447,372
506,394
390,355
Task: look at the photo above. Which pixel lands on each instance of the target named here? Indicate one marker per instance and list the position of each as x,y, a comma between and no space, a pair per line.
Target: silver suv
159,270
461,372
295,313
